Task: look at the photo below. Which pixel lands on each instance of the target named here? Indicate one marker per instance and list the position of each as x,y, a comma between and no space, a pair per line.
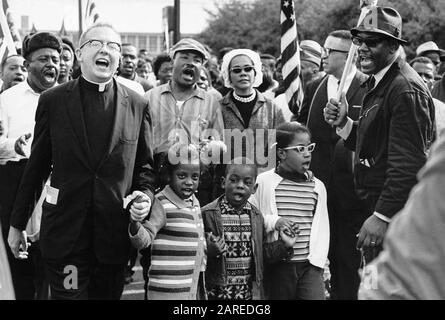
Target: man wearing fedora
18,107
332,162
395,130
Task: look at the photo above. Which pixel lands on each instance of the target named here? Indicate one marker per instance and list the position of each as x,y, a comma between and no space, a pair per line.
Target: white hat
427,46
256,60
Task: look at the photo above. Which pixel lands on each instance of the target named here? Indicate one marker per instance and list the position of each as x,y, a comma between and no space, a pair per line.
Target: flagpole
7,33
366,5
80,18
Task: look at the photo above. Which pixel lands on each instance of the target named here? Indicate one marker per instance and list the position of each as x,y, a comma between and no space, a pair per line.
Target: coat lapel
119,119
75,114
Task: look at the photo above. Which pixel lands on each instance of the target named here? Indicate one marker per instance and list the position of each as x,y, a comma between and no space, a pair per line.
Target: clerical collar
95,86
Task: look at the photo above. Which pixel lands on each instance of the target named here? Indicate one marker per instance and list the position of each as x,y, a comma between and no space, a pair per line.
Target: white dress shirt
18,107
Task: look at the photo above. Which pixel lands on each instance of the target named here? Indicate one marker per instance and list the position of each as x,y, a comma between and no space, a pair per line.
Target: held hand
216,246
20,143
286,237
140,208
335,113
372,232
283,223
18,244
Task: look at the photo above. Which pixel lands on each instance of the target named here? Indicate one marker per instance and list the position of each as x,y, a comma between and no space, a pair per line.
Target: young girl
287,195
178,250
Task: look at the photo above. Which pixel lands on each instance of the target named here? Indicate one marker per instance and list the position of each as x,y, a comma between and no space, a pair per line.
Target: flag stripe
290,56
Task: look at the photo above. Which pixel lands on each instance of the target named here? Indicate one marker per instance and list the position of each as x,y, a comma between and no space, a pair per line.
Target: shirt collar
96,86
229,207
197,91
349,77
379,75
177,201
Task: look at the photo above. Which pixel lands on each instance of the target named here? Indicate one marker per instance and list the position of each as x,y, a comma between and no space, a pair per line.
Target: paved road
135,289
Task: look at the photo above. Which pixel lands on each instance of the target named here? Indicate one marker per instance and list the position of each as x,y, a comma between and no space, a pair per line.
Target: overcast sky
125,15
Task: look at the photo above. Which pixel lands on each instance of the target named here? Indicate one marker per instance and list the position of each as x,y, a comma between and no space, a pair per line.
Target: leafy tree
256,24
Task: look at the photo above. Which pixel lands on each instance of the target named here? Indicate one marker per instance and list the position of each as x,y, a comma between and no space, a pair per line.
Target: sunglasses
370,42
238,70
301,149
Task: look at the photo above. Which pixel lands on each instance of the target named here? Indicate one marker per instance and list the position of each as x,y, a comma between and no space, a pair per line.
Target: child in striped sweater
288,195
178,254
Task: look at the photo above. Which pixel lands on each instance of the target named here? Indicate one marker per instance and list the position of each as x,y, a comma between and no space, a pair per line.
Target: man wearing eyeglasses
395,130
332,162
94,136
41,52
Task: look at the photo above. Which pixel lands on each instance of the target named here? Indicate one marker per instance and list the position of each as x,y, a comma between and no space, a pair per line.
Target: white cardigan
264,200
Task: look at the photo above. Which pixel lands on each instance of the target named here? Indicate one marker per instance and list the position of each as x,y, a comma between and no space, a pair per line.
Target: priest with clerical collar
94,136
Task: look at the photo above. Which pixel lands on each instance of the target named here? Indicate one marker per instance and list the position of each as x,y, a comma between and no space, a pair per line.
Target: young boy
234,231
178,249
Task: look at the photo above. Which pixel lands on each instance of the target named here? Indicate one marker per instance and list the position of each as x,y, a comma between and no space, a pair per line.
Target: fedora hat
385,21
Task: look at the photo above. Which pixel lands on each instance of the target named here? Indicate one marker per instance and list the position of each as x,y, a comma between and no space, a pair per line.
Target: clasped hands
140,205
289,231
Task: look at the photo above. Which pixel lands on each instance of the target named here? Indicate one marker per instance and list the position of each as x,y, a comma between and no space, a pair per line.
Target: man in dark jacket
94,137
332,163
395,130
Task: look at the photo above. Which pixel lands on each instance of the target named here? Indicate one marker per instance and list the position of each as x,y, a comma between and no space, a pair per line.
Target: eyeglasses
370,42
237,70
301,149
98,44
327,51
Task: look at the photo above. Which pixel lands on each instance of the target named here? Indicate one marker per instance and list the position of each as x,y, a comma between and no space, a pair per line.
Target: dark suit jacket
61,146
394,134
323,134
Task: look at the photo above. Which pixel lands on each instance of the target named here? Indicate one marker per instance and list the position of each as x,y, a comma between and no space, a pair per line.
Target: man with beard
395,130
18,109
13,71
94,136
127,70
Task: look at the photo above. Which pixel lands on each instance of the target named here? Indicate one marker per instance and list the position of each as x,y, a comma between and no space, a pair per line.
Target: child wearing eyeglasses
287,195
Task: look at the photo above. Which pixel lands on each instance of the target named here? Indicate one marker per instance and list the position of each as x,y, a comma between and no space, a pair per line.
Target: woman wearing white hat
244,107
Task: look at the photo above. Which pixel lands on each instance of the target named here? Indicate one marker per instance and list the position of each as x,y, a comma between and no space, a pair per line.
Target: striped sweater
296,201
178,253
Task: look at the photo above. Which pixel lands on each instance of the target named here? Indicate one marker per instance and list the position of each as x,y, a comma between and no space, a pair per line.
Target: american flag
9,36
290,56
91,14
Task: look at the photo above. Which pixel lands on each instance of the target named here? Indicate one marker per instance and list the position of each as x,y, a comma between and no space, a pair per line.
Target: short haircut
267,56
159,60
5,60
425,60
94,26
285,133
128,44
241,161
342,34
179,154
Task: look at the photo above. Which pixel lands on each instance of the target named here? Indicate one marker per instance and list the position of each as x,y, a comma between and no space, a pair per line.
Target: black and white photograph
225,157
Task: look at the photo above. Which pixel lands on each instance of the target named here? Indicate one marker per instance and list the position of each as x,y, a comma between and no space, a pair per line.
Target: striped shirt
297,202
178,251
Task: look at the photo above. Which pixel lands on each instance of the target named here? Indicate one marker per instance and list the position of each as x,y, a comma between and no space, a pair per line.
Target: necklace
244,99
